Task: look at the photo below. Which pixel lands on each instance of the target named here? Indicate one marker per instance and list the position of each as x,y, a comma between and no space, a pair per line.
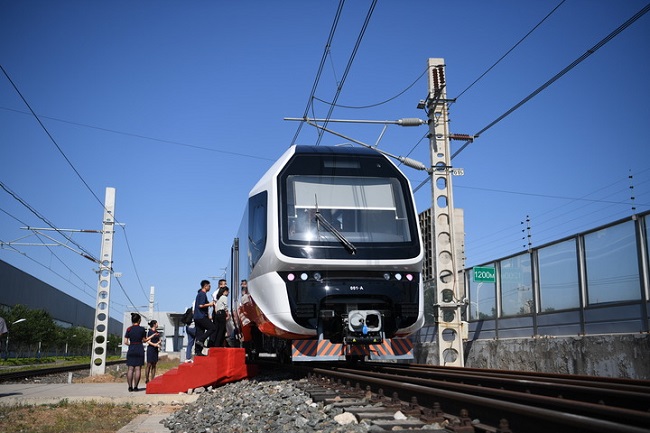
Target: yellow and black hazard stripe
326,350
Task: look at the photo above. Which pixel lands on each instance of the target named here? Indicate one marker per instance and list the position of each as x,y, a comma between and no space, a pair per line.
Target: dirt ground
81,417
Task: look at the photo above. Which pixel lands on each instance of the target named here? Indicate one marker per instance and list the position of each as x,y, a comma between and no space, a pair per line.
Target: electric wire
495,239
331,59
348,67
128,247
310,105
119,283
559,75
86,253
573,200
15,196
143,137
27,256
321,66
378,103
510,50
47,132
531,194
10,245
554,209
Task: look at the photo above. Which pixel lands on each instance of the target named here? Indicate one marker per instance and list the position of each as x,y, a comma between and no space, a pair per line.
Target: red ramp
220,366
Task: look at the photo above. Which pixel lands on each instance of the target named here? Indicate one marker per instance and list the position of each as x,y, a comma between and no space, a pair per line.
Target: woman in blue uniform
135,337
152,350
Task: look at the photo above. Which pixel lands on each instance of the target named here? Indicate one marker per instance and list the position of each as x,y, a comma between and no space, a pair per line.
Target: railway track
425,398
474,400
7,376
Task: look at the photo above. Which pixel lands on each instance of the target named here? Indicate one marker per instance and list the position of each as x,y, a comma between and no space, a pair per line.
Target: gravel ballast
260,406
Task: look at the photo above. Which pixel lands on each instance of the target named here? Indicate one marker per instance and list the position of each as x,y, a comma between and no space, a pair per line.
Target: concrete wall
617,355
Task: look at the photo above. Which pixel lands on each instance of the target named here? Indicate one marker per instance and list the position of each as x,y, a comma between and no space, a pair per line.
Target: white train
331,248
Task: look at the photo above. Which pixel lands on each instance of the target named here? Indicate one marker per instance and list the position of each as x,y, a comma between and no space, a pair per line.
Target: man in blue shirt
204,327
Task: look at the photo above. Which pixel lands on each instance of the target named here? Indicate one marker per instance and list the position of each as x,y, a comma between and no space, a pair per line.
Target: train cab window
362,209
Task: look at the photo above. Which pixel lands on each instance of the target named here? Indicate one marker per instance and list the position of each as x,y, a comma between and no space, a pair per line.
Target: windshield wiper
346,243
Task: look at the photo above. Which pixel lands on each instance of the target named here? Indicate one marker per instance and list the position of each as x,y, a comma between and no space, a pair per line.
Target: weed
67,417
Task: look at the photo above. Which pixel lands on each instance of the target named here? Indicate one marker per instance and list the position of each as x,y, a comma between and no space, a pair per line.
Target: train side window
257,226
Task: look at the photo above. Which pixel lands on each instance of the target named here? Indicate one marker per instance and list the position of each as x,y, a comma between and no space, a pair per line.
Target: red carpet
222,365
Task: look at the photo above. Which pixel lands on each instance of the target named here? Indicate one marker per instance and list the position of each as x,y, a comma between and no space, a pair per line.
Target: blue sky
180,107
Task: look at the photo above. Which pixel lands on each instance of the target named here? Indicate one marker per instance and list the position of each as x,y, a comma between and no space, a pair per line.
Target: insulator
411,121
436,85
412,163
464,137
441,70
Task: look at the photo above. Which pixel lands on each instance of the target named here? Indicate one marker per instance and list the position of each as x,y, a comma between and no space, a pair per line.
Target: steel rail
570,390
24,374
635,385
523,417
599,411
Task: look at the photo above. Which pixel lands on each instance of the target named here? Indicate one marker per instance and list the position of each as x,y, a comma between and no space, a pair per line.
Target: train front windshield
345,204
329,209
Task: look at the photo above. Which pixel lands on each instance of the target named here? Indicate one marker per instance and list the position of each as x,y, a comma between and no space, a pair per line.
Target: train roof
345,150
308,149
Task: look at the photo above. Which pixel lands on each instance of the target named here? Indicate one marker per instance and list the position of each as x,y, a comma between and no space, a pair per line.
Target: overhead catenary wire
548,83
144,137
27,256
119,283
425,71
86,254
357,107
47,132
510,50
547,230
13,248
326,51
559,75
348,67
135,268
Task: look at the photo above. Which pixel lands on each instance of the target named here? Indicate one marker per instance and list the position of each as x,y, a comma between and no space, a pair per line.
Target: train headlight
398,276
317,276
304,276
386,276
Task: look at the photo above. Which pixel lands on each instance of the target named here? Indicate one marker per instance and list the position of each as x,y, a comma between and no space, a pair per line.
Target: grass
77,417
67,417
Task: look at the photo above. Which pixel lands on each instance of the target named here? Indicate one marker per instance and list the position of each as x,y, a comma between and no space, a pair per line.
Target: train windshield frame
332,207
362,209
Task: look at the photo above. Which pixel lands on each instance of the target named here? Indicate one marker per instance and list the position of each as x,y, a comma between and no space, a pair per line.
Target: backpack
188,316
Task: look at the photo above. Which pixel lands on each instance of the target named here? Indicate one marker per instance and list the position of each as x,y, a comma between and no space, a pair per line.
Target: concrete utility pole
151,302
100,332
443,254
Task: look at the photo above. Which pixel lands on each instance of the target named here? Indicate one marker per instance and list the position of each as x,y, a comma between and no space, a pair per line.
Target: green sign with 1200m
484,274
